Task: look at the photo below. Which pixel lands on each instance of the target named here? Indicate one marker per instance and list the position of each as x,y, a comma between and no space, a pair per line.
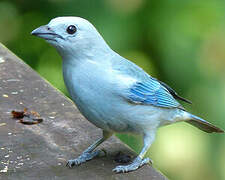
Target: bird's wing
151,92
146,89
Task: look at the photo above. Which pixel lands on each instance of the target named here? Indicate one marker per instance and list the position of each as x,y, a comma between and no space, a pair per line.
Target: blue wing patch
151,92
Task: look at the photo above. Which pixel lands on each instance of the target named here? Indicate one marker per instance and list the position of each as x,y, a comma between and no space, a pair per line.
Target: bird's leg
89,154
139,160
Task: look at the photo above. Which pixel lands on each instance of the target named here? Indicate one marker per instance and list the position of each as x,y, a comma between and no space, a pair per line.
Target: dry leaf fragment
17,114
30,121
26,117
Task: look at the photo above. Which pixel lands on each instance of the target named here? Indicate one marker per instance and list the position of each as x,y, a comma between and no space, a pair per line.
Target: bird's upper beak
46,33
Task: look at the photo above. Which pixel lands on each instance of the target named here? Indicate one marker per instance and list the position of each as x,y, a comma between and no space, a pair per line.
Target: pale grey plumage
110,91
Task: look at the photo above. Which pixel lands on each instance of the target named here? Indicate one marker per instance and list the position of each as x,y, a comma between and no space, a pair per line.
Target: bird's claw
137,163
86,156
72,162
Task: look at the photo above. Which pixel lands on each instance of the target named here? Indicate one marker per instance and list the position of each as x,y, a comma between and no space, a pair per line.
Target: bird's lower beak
46,33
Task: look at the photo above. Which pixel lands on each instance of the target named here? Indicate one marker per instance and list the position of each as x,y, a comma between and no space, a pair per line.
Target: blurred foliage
180,42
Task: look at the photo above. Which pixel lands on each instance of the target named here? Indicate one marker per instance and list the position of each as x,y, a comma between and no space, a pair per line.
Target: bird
112,92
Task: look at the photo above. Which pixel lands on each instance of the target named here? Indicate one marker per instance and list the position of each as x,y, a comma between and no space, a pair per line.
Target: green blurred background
180,42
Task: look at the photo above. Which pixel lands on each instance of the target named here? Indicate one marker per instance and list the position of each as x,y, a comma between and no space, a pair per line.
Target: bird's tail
203,125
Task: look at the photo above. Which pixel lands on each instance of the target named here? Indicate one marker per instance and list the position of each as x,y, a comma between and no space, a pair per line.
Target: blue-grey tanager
112,92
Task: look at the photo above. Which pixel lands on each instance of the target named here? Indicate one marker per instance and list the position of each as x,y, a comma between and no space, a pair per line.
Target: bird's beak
46,33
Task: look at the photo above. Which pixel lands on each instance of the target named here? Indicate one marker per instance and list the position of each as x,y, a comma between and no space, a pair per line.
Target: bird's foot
85,156
137,163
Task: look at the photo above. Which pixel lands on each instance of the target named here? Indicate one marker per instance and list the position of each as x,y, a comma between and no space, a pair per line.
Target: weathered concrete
39,152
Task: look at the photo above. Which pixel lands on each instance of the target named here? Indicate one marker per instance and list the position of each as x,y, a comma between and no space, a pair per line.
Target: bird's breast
93,89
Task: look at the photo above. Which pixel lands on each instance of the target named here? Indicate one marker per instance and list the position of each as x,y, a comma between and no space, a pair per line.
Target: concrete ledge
39,152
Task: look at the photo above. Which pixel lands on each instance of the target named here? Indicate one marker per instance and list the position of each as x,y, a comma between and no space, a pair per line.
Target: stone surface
34,152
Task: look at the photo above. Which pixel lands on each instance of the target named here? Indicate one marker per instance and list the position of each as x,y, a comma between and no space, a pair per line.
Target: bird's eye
71,29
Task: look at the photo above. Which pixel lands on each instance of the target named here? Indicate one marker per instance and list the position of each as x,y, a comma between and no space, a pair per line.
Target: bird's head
72,35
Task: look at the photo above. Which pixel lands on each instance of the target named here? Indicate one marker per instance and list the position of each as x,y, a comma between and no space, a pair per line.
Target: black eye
71,29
